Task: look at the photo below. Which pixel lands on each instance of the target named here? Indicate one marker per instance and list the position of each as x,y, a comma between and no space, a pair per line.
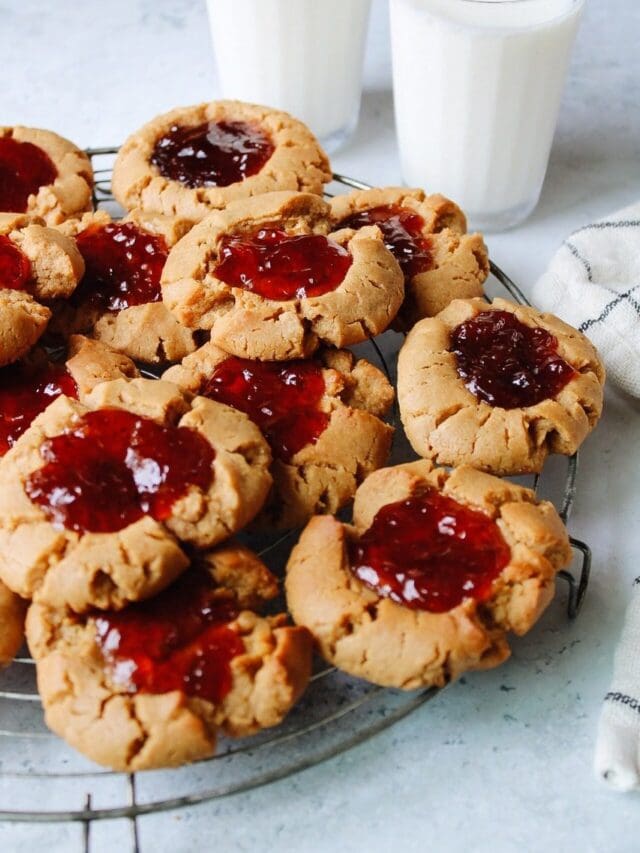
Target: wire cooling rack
336,713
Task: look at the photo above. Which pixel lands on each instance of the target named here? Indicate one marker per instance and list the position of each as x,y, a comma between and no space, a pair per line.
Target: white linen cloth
617,760
593,282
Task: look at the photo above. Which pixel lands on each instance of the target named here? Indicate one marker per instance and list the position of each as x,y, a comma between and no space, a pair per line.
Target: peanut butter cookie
43,174
269,280
193,160
498,386
427,236
28,386
96,499
119,301
152,685
321,418
36,264
436,570
12,612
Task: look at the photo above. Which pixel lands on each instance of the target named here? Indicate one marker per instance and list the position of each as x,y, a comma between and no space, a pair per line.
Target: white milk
477,88
302,56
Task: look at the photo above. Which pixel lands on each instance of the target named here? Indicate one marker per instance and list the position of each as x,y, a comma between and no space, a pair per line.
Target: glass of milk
302,56
477,87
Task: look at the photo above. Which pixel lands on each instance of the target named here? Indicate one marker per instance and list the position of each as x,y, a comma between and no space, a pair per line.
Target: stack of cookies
193,381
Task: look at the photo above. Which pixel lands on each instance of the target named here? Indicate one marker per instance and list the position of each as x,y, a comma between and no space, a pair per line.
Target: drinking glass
302,56
477,87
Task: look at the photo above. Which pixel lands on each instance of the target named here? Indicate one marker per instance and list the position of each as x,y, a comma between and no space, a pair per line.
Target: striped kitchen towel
593,282
618,746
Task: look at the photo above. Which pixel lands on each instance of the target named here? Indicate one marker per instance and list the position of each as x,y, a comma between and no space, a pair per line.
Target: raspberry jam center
24,168
123,266
429,553
507,364
25,393
282,398
178,640
277,265
113,467
213,154
402,232
15,267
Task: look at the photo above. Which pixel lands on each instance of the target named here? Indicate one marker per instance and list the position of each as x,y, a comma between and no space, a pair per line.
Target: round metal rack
336,713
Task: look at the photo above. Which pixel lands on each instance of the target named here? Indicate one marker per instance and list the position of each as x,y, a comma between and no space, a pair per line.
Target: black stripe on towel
599,226
576,254
609,308
623,699
632,301
587,266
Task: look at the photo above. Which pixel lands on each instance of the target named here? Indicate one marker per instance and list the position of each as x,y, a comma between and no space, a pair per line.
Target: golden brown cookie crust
322,477
135,731
61,567
297,163
91,362
387,643
22,323
12,612
147,333
56,263
56,269
460,260
70,193
445,422
250,326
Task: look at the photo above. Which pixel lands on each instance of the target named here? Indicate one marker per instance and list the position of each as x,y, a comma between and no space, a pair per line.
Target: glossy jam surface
15,267
506,363
429,553
178,640
113,467
281,266
213,154
402,232
24,168
123,266
25,393
282,398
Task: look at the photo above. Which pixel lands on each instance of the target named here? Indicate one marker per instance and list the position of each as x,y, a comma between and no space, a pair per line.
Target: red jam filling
123,266
277,265
113,467
282,398
24,168
506,363
429,553
25,393
15,267
402,232
178,640
213,154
